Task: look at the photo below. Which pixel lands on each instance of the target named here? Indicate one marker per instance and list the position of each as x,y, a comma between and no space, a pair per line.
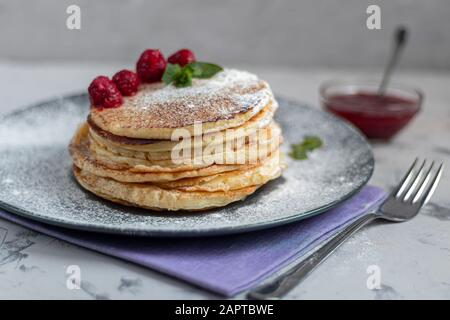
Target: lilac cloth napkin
227,264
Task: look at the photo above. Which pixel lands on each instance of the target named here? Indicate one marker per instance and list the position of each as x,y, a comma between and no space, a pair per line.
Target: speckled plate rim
39,217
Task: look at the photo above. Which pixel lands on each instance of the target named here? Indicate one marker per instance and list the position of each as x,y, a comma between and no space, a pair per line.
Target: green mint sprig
182,76
299,151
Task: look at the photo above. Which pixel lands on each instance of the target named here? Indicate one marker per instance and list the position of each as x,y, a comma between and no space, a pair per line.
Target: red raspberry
150,66
104,93
127,82
182,57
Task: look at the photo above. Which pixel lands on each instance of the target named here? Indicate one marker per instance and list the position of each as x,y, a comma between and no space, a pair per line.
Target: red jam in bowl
377,116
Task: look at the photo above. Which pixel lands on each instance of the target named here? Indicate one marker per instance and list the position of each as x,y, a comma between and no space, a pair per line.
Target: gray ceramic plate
36,180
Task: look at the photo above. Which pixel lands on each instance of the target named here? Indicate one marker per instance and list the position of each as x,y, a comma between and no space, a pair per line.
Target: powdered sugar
200,90
208,100
35,175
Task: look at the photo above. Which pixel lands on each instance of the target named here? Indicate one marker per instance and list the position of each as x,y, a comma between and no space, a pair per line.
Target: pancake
134,154
227,100
152,197
269,169
121,144
83,158
249,150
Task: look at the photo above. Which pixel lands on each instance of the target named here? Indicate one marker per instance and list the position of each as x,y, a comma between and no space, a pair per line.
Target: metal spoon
400,37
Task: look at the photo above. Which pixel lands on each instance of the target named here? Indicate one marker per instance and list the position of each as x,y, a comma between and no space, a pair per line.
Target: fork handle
284,283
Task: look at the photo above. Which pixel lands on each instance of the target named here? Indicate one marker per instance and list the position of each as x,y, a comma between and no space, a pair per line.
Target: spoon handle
400,40
284,283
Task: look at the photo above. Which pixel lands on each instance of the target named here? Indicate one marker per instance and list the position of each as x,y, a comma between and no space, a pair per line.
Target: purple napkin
226,264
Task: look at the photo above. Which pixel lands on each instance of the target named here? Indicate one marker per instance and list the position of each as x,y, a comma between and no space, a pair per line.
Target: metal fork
403,204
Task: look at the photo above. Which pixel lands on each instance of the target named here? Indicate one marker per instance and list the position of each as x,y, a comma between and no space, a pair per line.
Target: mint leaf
184,78
312,142
180,77
299,151
171,72
203,69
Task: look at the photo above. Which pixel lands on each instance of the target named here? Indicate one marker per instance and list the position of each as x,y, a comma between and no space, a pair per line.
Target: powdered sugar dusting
164,106
35,176
233,87
195,95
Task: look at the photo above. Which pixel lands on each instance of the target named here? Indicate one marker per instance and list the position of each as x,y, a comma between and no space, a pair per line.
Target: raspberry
127,82
104,93
182,57
150,66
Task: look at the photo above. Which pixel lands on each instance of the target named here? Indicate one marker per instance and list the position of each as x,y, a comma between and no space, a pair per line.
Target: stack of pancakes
192,148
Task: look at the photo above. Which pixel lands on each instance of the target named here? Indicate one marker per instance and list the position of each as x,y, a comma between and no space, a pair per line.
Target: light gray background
288,33
414,256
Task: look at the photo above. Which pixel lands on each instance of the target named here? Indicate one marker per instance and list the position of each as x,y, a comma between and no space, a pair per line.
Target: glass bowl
378,116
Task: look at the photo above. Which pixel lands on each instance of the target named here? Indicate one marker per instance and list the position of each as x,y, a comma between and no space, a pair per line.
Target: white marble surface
414,257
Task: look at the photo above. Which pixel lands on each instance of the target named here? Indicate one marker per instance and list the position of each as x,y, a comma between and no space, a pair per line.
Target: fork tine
423,184
415,180
430,190
401,186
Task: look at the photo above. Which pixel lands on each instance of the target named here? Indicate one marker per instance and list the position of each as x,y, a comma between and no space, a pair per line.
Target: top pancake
227,100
